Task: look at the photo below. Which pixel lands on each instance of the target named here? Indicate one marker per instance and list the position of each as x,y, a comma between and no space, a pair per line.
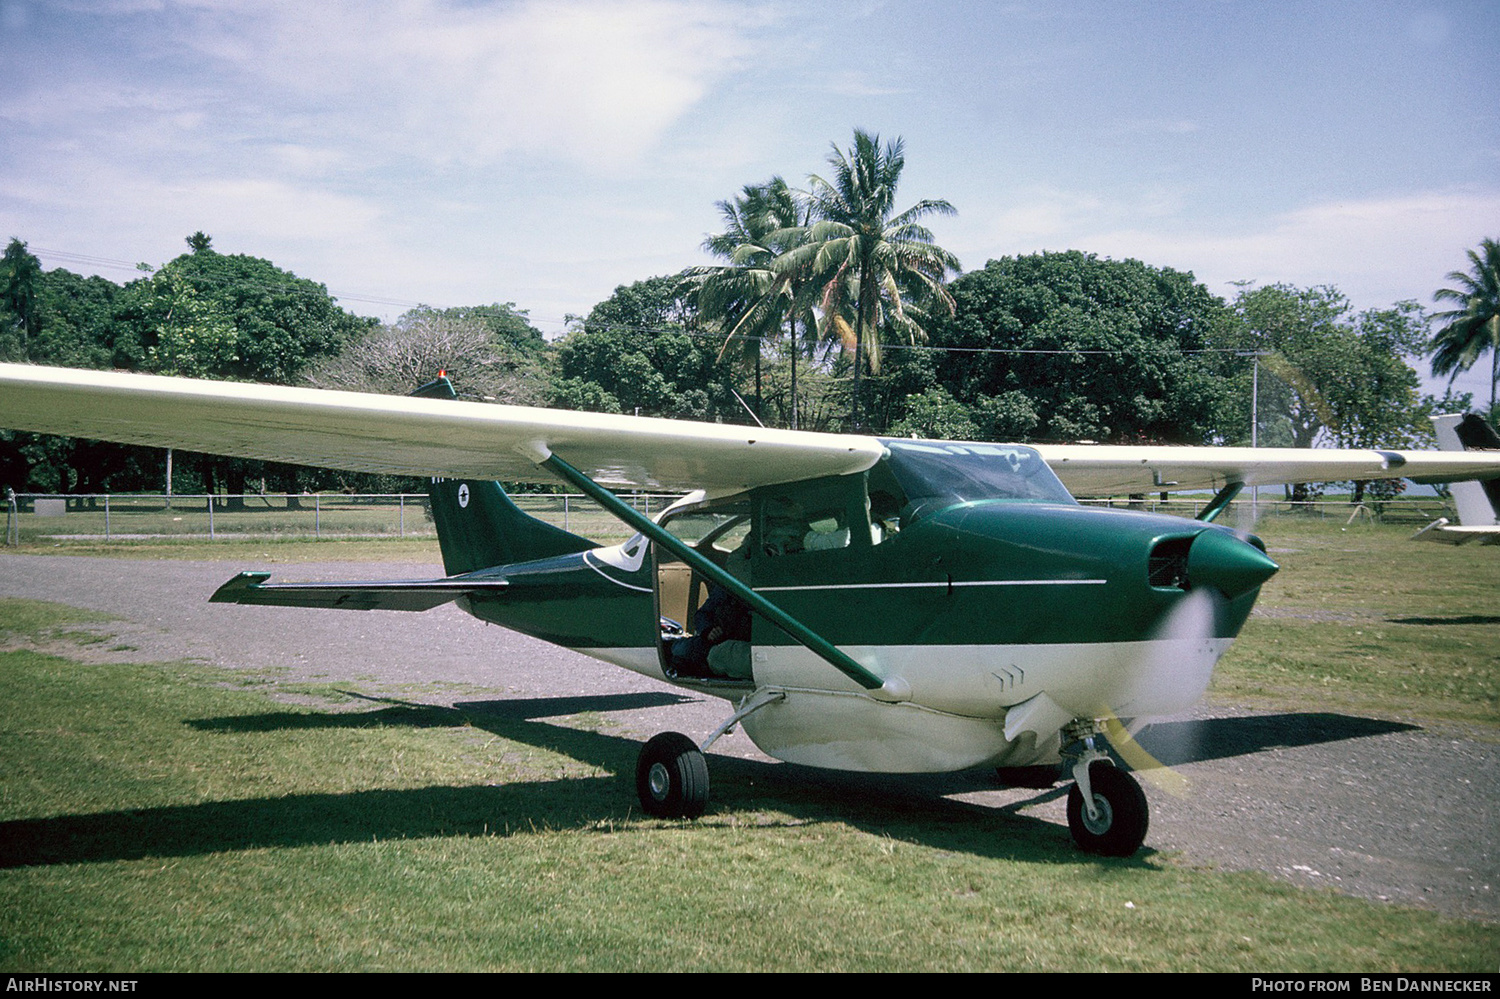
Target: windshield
958,472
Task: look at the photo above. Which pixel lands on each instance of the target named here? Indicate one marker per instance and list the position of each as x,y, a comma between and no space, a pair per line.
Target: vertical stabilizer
1478,503
479,527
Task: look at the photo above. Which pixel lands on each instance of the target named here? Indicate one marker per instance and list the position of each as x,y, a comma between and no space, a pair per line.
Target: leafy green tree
190,335
1472,328
1329,375
77,325
237,317
281,323
644,350
936,415
1066,346
878,272
20,272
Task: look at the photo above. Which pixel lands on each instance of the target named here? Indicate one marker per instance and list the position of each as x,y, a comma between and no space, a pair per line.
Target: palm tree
1474,327
749,295
875,269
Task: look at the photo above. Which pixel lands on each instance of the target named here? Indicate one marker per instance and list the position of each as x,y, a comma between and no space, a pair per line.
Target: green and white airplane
863,604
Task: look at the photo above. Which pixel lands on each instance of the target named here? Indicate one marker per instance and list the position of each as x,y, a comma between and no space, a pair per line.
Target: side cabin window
799,518
886,500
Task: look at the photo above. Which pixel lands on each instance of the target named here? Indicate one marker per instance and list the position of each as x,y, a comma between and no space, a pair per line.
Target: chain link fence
35,517
39,517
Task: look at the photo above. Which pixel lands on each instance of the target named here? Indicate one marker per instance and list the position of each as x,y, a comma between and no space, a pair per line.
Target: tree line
830,308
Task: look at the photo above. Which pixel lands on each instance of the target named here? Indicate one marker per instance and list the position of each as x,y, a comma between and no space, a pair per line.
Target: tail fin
478,526
1478,502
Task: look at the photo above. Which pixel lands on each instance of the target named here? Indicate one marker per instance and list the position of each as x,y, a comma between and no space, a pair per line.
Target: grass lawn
1364,620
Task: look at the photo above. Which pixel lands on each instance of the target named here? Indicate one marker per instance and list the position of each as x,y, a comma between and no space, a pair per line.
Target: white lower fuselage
970,705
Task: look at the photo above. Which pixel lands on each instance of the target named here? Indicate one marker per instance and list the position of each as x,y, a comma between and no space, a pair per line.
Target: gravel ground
1372,808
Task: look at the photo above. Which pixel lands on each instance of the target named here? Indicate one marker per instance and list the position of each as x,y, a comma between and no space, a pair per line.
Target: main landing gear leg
671,774
1107,811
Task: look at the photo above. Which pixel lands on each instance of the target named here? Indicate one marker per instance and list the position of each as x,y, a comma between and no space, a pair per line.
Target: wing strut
1221,502
895,690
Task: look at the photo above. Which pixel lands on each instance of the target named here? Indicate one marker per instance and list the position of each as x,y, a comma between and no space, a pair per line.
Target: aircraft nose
1221,560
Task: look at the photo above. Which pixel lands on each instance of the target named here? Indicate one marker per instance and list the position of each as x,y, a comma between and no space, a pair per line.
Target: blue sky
459,153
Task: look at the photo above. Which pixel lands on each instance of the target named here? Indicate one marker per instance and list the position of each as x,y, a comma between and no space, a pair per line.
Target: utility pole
1255,429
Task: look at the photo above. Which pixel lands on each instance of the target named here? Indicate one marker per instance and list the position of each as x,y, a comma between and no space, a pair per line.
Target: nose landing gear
1107,810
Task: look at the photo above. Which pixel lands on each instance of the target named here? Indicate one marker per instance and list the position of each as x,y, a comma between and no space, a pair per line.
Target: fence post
210,516
565,511
401,500
106,516
317,516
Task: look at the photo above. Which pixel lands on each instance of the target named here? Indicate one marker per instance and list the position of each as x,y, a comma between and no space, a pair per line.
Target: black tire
1124,815
671,777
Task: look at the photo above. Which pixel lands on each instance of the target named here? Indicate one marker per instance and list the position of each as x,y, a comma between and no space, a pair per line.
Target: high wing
404,436
407,436
1108,470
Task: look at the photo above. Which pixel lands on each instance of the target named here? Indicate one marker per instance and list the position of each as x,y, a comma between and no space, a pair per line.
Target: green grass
1365,620
38,619
154,817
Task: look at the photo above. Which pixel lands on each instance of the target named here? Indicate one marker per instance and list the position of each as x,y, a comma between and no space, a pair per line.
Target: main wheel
671,777
1120,828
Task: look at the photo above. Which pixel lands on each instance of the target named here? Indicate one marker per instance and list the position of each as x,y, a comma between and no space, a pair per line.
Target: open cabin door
704,632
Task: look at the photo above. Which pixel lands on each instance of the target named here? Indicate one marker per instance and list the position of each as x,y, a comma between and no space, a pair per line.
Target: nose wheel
1116,825
1107,811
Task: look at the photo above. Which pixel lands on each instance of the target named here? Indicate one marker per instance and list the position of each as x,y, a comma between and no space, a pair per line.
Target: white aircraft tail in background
1478,502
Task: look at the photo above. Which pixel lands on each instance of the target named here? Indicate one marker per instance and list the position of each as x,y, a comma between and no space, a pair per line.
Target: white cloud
1377,251
595,83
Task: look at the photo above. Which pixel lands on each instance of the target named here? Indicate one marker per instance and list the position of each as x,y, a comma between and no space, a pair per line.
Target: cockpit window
947,472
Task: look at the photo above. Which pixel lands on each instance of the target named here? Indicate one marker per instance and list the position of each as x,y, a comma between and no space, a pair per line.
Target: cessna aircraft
865,604
1478,503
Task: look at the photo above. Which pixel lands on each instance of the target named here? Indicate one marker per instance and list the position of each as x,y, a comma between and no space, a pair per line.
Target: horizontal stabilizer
1454,534
395,594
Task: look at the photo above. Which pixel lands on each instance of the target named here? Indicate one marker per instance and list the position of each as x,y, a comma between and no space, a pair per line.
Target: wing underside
400,435
1103,470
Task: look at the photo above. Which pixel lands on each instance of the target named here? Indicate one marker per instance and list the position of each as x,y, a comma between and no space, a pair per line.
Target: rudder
478,526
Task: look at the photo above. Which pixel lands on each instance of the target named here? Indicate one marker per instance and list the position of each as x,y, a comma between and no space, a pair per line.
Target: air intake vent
1168,563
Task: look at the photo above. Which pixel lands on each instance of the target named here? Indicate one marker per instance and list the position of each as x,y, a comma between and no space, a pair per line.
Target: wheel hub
1099,823
659,780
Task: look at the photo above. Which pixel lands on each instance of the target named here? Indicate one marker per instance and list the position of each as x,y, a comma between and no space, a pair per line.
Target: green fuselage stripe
760,605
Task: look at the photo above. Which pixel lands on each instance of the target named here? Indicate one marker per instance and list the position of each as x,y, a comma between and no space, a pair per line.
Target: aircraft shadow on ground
911,808
757,792
1180,742
1459,619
